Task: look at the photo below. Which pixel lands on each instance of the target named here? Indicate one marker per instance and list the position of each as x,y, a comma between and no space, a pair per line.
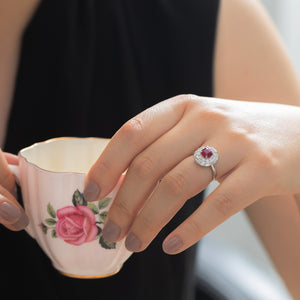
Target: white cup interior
65,155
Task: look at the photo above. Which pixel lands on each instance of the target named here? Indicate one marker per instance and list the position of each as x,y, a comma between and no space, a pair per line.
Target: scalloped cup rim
21,152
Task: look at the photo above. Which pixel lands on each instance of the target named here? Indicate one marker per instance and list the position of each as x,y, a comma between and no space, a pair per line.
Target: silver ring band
214,172
206,157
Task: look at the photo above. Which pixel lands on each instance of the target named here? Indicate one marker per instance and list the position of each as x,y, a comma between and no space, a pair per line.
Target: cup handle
16,171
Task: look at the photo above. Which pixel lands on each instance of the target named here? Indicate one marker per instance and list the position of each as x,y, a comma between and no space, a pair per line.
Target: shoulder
15,15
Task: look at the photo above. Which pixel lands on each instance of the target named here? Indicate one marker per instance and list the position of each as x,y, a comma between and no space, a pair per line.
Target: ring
206,157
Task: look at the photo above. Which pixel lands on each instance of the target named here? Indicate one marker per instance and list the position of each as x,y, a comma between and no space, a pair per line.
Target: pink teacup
69,230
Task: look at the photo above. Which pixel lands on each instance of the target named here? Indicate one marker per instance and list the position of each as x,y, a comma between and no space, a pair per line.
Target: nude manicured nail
172,245
22,223
9,212
111,231
91,191
13,214
132,243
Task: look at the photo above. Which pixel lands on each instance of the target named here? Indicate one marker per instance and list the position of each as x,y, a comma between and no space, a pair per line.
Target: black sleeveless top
86,67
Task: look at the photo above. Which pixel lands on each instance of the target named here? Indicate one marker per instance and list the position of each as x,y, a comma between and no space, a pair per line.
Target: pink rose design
76,225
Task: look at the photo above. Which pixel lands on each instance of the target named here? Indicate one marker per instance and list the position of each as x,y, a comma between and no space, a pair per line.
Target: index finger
132,138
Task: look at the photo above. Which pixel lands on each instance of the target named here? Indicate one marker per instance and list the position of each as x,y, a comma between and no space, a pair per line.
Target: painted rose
76,225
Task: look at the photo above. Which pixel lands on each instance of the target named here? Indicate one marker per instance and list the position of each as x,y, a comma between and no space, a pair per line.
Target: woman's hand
259,155
12,214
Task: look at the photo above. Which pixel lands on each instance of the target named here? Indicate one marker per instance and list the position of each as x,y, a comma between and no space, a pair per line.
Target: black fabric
86,67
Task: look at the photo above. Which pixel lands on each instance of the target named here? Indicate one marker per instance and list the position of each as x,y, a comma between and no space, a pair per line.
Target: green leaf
105,244
78,199
53,233
93,208
104,202
103,215
44,228
50,222
51,211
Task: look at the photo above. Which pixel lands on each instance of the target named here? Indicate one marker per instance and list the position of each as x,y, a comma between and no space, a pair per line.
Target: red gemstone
206,152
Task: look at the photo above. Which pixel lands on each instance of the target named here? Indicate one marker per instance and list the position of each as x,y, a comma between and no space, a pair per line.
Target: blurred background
234,245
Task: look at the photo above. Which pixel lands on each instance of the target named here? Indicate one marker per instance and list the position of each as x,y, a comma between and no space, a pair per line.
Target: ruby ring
206,157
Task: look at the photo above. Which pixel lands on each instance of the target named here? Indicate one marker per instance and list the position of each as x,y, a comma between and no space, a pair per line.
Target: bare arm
14,16
277,221
251,64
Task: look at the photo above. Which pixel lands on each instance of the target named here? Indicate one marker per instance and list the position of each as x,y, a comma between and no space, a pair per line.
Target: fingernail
132,243
172,245
22,222
111,231
91,191
9,212
14,215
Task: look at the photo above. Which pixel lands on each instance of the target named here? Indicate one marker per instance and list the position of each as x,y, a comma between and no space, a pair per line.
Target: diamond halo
206,156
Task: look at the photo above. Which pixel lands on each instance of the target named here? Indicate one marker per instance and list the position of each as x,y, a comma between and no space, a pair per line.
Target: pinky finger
235,193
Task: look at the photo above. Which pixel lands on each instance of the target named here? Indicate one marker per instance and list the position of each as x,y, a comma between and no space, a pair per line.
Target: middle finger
143,175
182,183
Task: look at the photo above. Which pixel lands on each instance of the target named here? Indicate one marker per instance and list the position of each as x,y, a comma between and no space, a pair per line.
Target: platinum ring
206,157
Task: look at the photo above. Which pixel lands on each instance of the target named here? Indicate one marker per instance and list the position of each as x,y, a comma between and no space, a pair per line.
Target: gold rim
89,276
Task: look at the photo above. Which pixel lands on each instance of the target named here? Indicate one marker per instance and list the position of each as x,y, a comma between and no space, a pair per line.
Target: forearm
8,65
14,16
277,222
251,64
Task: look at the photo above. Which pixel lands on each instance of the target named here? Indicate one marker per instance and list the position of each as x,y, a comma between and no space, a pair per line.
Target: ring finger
180,184
142,177
232,195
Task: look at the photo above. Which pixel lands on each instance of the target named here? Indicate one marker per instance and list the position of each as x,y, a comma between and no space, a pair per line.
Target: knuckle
211,111
195,228
264,161
267,161
185,97
142,166
239,136
148,224
175,183
185,100
132,128
224,204
267,166
103,168
121,208
214,115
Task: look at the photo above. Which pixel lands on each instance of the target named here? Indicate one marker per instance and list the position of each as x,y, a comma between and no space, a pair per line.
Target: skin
251,137
264,73
255,68
158,145
14,16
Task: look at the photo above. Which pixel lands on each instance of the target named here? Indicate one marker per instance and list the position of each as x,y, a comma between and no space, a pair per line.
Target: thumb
7,178
12,214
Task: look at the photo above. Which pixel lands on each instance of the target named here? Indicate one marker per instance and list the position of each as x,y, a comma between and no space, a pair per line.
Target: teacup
68,228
